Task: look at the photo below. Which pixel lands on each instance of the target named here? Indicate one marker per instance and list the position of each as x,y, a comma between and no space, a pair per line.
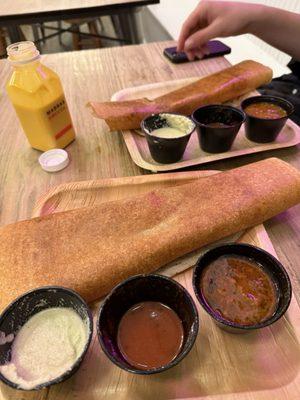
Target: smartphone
215,47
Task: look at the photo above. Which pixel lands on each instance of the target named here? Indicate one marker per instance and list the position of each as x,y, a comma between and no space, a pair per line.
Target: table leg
124,25
3,43
136,24
131,26
117,26
14,33
36,36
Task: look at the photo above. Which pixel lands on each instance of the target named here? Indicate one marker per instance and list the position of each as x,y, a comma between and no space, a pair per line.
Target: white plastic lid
22,52
54,160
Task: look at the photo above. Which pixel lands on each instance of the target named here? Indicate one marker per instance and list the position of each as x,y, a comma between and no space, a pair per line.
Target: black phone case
216,49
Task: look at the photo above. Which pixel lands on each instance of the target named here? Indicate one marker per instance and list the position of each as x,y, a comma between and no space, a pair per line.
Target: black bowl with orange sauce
115,315
264,124
251,292
217,126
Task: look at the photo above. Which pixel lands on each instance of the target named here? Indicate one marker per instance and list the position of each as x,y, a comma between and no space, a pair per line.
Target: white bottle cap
54,160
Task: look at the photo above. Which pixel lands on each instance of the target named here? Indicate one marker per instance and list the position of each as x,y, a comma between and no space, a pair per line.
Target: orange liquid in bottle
38,98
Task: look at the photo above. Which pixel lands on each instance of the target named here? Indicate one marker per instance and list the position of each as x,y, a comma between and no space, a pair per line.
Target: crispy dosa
92,249
220,87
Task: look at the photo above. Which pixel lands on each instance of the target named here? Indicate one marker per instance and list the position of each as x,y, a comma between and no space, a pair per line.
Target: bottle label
59,117
63,131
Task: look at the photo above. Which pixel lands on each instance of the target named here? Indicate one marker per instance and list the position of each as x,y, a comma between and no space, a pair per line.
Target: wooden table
97,74
18,12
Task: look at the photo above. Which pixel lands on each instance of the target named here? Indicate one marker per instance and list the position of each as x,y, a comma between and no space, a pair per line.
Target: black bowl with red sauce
217,126
264,125
114,315
249,293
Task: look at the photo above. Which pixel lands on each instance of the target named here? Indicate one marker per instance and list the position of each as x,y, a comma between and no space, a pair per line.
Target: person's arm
279,28
211,19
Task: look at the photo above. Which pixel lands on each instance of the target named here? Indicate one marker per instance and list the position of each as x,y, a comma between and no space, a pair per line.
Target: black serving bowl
217,139
270,265
165,150
137,289
264,130
29,304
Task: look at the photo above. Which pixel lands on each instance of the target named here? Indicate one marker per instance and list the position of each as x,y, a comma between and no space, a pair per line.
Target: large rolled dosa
220,87
92,249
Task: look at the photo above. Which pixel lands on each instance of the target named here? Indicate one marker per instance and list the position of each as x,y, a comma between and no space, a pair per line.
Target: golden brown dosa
92,249
220,87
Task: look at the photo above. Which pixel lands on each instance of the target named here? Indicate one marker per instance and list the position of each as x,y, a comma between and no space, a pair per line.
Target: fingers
205,50
197,53
191,55
188,28
186,31
199,39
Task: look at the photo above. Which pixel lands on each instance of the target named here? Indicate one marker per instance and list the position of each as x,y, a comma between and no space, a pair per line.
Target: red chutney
265,110
217,125
150,335
239,290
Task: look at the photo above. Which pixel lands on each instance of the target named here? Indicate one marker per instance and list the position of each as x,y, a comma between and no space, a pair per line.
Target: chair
3,43
79,40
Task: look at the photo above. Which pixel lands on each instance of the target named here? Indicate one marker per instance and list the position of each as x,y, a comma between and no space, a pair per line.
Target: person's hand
212,19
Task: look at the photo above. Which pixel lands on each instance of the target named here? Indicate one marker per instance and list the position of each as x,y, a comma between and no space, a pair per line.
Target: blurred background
171,14
156,22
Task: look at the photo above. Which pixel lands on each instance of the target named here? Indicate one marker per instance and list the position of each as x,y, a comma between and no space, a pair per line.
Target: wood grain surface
21,7
217,367
87,193
95,154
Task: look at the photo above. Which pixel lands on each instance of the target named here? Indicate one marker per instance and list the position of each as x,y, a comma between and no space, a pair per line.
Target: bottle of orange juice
38,98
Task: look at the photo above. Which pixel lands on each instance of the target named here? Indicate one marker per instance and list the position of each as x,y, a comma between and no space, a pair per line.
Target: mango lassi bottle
38,98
